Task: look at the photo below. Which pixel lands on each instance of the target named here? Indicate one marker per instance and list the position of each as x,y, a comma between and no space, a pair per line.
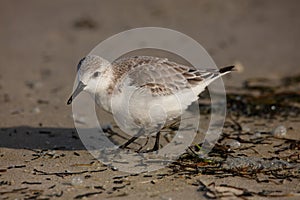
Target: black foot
156,145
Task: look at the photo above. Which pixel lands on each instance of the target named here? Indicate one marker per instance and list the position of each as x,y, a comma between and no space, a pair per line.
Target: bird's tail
221,72
226,69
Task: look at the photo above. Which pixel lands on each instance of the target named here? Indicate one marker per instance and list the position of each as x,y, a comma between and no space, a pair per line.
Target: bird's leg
156,145
142,146
131,140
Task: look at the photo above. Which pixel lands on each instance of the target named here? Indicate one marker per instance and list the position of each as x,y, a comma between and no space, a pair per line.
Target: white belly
133,109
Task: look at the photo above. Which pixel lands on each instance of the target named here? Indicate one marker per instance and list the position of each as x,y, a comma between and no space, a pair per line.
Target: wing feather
159,76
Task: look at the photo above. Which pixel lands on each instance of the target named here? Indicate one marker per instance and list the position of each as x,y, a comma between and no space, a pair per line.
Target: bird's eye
96,74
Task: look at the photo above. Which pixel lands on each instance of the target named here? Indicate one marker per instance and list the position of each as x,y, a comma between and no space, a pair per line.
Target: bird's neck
104,91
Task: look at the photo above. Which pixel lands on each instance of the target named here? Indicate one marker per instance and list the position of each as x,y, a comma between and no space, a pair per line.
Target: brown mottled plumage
158,75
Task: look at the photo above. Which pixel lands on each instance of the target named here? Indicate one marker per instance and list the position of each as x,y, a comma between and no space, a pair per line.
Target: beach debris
31,183
66,173
86,195
256,135
33,84
42,101
13,190
76,181
46,153
85,23
220,191
279,132
59,194
36,110
3,170
5,183
234,144
17,111
246,129
76,153
16,166
251,164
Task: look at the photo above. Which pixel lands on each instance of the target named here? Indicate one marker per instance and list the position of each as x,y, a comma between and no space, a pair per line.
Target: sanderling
147,90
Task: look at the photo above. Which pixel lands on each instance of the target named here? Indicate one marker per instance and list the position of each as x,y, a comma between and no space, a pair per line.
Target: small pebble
255,136
114,168
33,84
76,181
16,111
234,144
87,176
273,107
36,110
76,154
279,132
180,137
246,129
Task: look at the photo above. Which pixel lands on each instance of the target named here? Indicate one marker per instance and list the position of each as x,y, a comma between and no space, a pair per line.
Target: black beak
79,88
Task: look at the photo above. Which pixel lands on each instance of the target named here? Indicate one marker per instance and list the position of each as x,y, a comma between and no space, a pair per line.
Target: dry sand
41,156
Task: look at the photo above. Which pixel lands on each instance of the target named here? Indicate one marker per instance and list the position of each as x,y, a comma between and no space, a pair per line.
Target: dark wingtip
226,69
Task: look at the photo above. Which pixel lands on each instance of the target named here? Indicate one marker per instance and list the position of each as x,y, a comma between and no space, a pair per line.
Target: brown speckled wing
158,76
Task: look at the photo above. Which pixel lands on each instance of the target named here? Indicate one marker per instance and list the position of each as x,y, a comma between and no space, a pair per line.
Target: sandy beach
41,155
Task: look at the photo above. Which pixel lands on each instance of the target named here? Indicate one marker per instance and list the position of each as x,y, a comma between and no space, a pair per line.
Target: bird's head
90,72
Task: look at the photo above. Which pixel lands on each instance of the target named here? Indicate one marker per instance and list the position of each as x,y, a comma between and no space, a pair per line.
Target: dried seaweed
63,174
80,196
31,183
213,191
271,101
266,106
13,191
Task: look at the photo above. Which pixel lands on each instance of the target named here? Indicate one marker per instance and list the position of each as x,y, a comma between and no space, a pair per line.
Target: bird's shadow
52,138
25,137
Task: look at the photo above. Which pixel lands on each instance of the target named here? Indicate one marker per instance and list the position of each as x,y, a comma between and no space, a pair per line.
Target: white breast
134,109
